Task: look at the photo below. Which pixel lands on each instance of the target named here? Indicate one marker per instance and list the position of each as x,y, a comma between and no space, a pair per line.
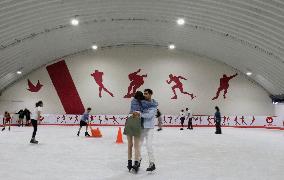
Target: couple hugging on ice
139,127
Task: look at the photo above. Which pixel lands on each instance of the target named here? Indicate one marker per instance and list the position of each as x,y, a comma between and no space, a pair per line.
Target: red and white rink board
272,122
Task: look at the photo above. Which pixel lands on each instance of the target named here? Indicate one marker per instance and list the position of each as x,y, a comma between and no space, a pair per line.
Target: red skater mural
136,82
34,88
178,85
98,76
224,85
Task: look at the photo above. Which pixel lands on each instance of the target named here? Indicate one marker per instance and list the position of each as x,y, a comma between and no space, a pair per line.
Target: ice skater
160,120
178,85
224,85
36,116
149,114
133,131
182,118
21,118
217,120
27,113
84,122
7,120
189,117
98,76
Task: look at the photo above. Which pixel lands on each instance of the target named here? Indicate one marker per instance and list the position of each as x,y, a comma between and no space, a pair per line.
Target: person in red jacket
7,120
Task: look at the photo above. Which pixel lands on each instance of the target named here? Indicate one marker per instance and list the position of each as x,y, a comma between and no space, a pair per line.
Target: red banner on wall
65,88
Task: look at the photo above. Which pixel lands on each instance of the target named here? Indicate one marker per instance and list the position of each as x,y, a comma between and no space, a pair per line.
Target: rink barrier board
237,121
177,126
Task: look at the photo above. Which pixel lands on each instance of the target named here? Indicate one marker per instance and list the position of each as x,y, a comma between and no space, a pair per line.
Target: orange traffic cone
96,132
119,137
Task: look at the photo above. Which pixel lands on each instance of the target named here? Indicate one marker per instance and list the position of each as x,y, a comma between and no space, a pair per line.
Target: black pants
182,121
218,128
34,123
190,123
83,123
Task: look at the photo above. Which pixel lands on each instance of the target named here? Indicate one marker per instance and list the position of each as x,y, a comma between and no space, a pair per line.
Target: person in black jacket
160,120
27,113
217,120
21,118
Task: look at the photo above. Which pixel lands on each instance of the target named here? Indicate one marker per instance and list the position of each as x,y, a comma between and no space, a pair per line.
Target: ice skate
136,166
151,167
33,141
87,134
129,166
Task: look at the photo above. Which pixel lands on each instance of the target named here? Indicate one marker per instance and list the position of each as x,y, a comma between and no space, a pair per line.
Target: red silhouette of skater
136,82
98,76
236,121
243,120
224,85
252,121
178,85
210,118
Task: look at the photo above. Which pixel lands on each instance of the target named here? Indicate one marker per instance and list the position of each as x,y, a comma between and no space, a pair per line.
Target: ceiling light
249,73
94,47
172,46
180,21
74,22
19,72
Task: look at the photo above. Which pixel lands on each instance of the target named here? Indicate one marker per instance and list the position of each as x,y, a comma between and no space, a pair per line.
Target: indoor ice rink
141,89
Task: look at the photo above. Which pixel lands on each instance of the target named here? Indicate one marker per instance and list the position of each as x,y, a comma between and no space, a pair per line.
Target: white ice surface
237,154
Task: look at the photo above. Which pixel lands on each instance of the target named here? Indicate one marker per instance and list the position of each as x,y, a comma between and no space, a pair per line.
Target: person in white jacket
36,115
189,117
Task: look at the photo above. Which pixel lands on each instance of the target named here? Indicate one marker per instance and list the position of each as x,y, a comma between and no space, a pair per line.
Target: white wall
243,98
279,109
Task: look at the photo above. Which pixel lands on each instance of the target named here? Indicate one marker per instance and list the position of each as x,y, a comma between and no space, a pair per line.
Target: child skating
84,122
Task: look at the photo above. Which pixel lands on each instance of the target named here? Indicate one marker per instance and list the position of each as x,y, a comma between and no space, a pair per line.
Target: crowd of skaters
139,127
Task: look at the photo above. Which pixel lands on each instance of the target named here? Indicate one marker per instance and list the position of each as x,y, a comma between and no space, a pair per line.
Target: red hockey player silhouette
178,85
136,82
224,85
98,76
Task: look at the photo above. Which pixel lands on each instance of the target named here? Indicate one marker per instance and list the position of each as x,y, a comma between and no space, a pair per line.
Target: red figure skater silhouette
98,76
136,82
224,85
178,85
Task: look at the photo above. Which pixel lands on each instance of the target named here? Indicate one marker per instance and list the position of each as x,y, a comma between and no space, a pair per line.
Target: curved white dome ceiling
245,34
